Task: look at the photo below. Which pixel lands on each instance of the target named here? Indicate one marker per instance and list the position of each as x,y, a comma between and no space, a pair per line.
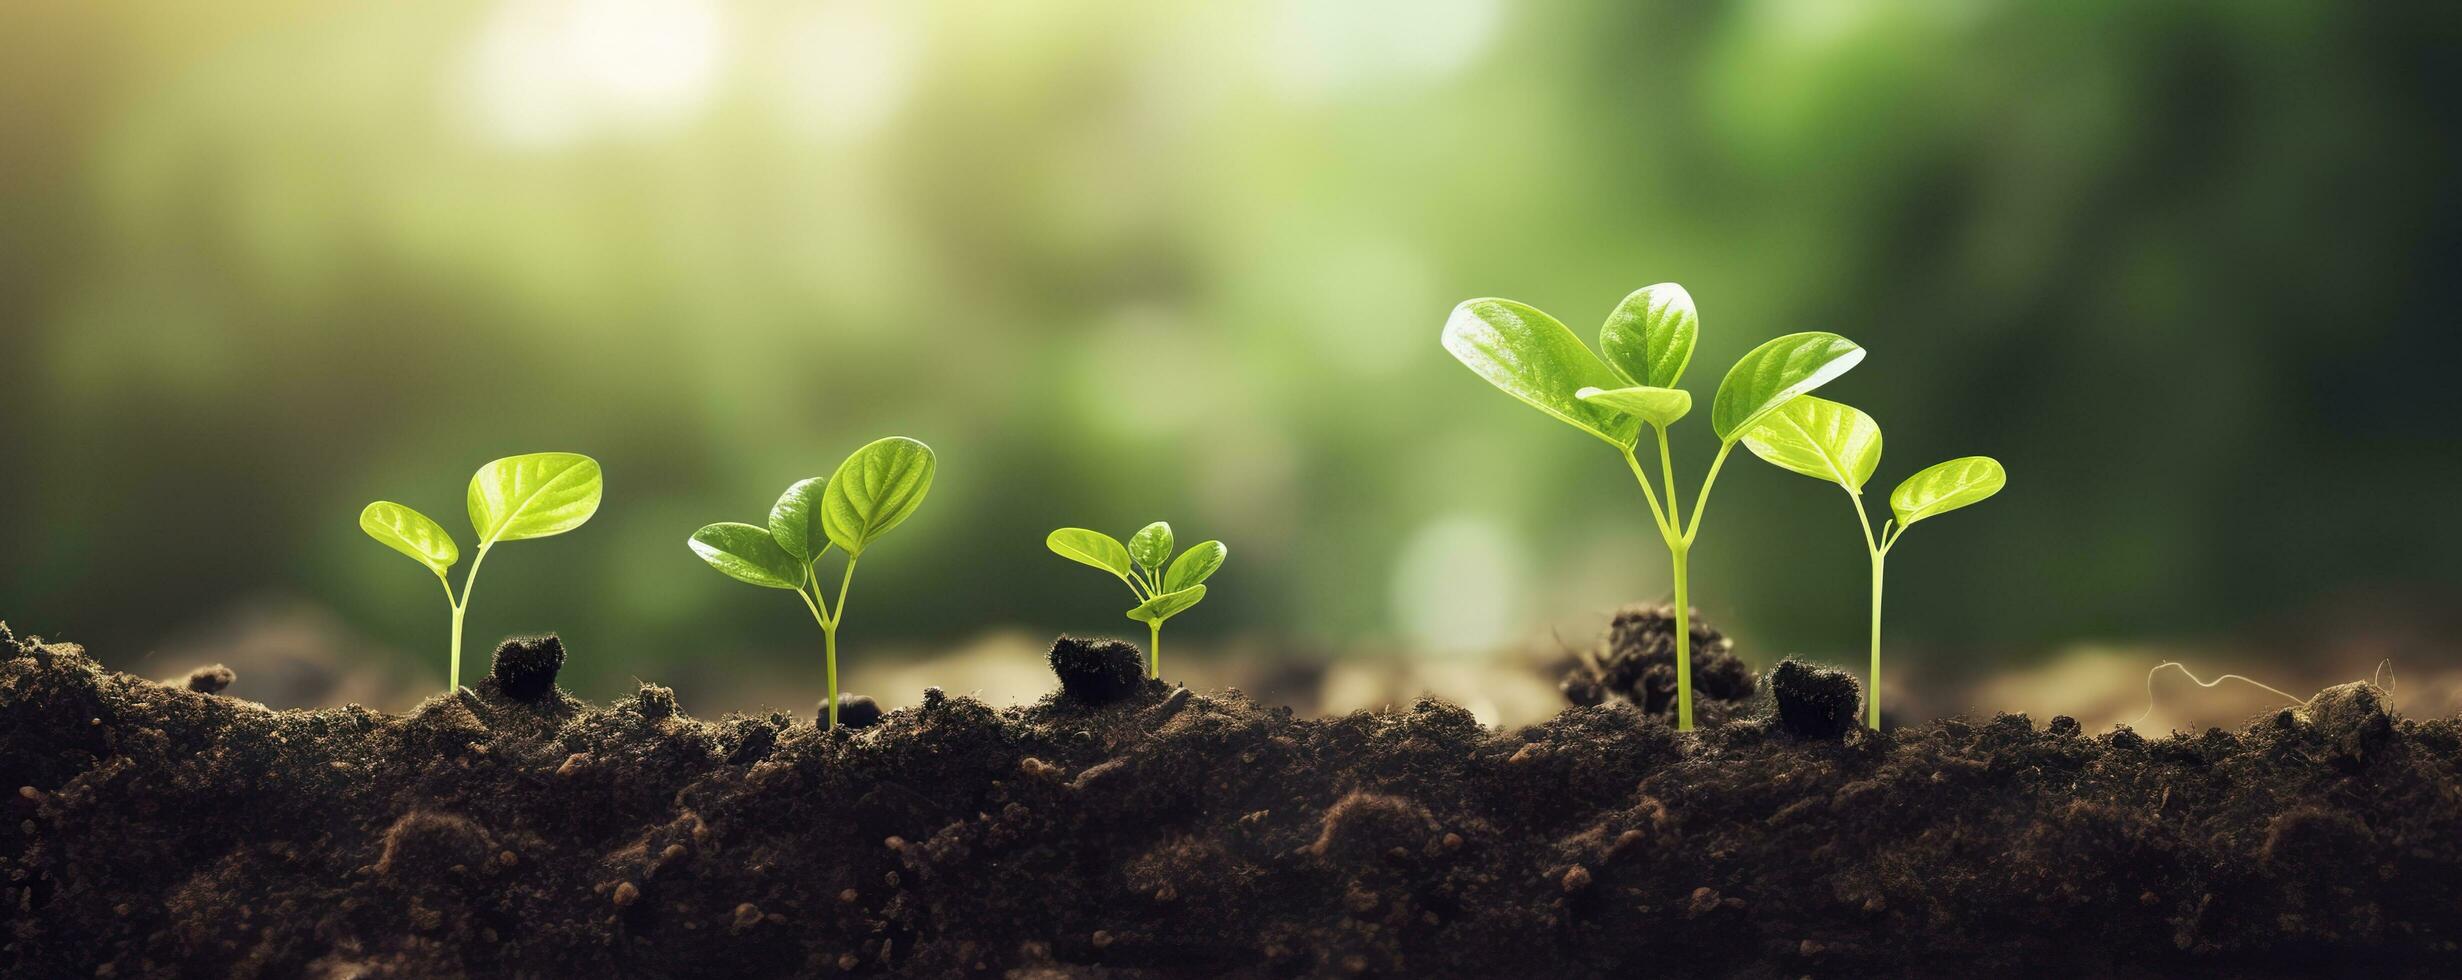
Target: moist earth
1131,829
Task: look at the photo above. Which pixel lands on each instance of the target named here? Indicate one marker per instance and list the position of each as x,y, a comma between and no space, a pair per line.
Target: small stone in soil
857,711
1097,671
1814,702
525,666
211,680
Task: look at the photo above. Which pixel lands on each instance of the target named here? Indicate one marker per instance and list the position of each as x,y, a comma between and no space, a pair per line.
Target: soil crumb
156,831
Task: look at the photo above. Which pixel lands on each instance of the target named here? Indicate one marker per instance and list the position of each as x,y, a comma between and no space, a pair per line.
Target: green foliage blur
2185,267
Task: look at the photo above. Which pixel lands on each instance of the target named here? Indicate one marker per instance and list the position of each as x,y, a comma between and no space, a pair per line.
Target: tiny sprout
1648,341
513,498
1830,441
1162,591
875,489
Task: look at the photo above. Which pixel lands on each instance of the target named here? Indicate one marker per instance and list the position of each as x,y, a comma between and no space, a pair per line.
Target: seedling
873,491
1648,341
1162,591
513,498
1829,441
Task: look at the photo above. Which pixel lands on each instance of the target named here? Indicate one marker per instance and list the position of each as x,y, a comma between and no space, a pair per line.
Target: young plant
1647,340
873,491
513,498
1829,441
1162,592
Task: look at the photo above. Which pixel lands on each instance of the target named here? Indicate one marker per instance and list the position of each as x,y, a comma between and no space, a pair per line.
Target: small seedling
513,498
1830,441
1162,591
874,490
1647,341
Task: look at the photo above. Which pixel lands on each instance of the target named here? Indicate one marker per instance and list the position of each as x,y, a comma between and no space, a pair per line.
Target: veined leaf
411,533
1656,406
1821,439
795,519
1089,548
1195,565
874,490
1167,605
533,496
1151,546
1944,487
1528,355
749,554
1649,338
1769,376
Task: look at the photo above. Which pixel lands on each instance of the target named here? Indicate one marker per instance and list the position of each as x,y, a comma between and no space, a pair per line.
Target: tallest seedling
1647,341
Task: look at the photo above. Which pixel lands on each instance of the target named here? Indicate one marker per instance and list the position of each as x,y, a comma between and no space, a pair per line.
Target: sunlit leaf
874,490
1944,487
1655,406
411,533
1821,439
748,554
1649,338
1532,357
1089,547
795,519
1195,565
1167,605
1770,375
533,496
1151,546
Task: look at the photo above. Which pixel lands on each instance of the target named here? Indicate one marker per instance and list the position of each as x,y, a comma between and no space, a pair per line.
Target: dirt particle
1101,938
2065,727
1038,769
573,764
1576,879
30,793
894,843
847,962
626,893
747,915
858,711
1167,894
1809,948
1364,823
425,842
525,666
211,679
1703,902
849,897
1453,842
1529,752
1814,702
2356,720
507,858
1096,671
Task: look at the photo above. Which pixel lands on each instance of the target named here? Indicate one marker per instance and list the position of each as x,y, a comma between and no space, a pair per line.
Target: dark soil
163,831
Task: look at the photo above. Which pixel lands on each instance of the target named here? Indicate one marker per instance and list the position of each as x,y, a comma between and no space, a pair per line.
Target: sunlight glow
550,73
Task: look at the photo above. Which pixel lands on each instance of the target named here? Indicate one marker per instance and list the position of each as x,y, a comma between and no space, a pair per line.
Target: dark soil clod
2356,720
1635,662
1097,671
858,711
211,679
525,666
1815,702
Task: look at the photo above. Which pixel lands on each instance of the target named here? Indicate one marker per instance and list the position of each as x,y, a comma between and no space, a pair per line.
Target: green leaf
1167,605
1772,374
1649,337
874,489
1195,565
1151,546
533,496
748,554
1532,357
1944,487
1821,439
793,520
1089,548
411,533
1656,406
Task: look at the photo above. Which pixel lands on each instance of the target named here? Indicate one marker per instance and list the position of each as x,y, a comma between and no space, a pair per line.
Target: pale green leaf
1769,376
1944,487
533,496
1530,356
1195,565
1649,338
1151,546
795,519
1656,406
875,489
1821,439
1167,605
748,554
411,533
1090,548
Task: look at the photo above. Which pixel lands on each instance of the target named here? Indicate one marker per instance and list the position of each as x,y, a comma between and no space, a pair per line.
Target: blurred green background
2186,268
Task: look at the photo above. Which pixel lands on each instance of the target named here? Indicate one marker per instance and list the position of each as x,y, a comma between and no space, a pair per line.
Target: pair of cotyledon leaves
873,491
1827,440
517,497
1182,581
1647,343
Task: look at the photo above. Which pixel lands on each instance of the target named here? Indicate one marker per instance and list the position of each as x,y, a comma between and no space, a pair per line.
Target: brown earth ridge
1122,828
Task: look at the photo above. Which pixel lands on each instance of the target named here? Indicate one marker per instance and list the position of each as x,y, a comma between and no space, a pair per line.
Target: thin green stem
829,655
1701,501
1665,525
453,674
1667,468
1684,637
1154,650
1880,554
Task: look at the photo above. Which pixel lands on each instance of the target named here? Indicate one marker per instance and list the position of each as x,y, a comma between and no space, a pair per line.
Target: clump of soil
1635,662
158,831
